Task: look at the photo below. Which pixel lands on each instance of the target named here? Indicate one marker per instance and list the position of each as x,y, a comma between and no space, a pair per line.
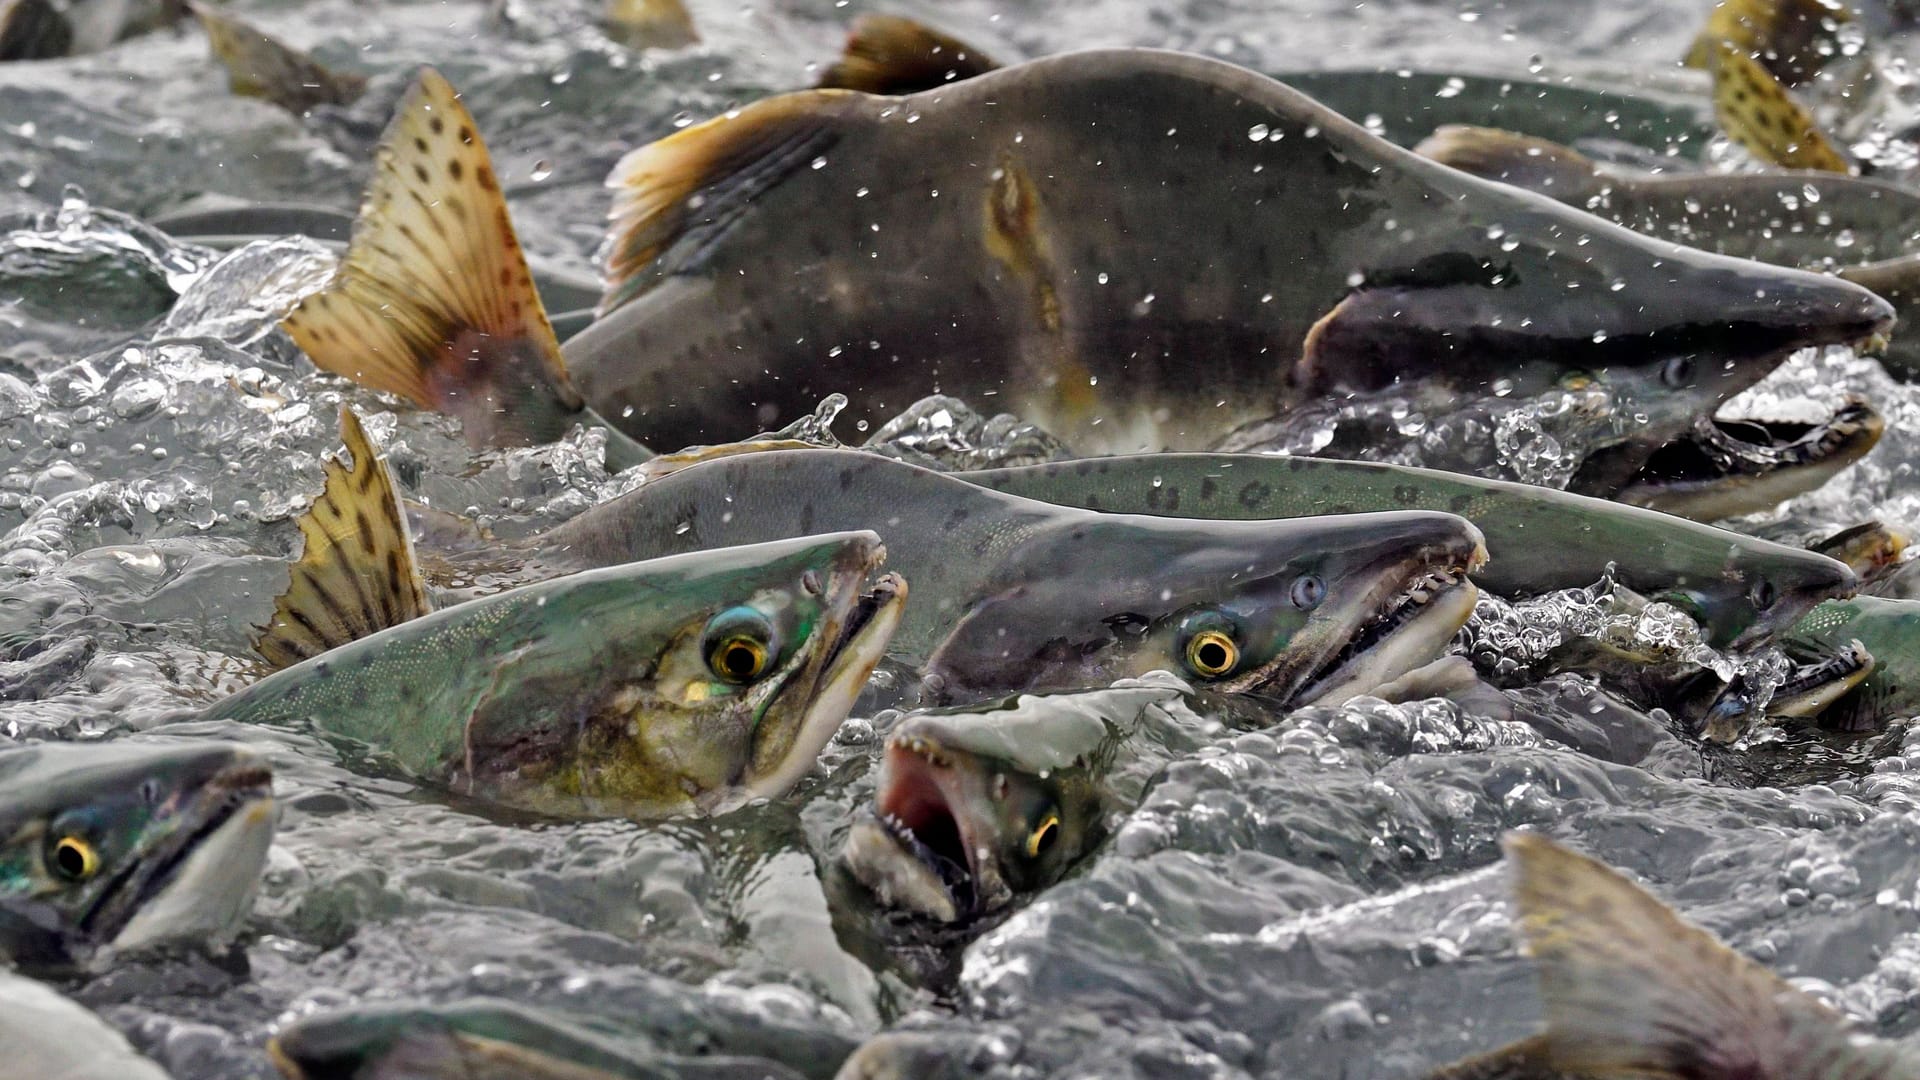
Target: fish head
1487,290
1762,591
690,683
972,809
1296,610
128,845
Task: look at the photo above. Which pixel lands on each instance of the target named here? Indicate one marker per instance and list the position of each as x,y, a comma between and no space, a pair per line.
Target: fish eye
1211,653
1762,594
739,645
1307,592
73,859
1677,372
1041,839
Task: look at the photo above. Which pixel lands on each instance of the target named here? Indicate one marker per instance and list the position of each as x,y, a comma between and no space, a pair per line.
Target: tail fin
264,67
1631,990
1758,113
434,301
33,30
650,24
701,178
888,54
1512,158
357,573
1794,36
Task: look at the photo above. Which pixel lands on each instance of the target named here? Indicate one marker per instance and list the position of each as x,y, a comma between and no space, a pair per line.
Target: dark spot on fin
357,573
434,301
259,66
1511,158
33,30
1758,113
1630,989
888,54
650,24
694,183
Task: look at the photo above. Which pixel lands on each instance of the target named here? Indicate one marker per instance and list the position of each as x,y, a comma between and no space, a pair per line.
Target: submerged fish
1015,595
1334,264
1741,589
1630,989
974,808
481,1039
123,846
48,1037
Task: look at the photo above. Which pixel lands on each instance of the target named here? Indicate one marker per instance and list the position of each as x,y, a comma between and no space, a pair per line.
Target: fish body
683,685
1017,595
117,847
1887,628
1742,589
48,1037
1036,232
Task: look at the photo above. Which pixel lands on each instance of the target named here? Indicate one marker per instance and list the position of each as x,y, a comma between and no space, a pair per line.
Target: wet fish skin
1629,989
480,1039
1015,595
617,692
47,1036
1889,629
126,845
1009,798
1469,285
1540,540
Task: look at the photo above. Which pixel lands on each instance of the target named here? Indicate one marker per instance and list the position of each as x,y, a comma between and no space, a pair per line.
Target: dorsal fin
434,301
1512,158
889,54
650,24
1758,113
264,67
1630,989
357,573
702,178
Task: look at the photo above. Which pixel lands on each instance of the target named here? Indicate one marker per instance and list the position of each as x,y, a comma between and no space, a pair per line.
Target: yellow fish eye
738,658
1042,838
1211,653
74,859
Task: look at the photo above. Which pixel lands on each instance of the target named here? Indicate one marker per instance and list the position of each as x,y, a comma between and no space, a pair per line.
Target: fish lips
809,705
920,847
199,880
1361,637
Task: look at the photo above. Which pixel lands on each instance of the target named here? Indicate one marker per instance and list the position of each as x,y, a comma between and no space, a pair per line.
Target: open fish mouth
916,848
1727,467
1812,687
200,880
1420,612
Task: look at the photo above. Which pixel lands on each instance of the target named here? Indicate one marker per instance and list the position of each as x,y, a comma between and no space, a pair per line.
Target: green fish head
1297,610
128,845
972,809
691,683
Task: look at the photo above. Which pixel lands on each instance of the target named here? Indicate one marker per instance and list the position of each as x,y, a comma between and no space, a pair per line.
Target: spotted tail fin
357,573
1756,111
434,301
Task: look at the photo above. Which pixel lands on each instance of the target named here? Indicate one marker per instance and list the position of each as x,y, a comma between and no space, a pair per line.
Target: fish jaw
928,843
1395,621
860,630
200,883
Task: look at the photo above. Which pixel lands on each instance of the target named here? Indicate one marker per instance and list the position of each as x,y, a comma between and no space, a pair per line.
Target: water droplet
1257,132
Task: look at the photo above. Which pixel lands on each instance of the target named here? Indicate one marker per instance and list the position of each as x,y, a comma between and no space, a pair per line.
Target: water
1309,896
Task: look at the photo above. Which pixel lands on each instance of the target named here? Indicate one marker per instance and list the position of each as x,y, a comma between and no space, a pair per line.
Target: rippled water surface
1307,895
